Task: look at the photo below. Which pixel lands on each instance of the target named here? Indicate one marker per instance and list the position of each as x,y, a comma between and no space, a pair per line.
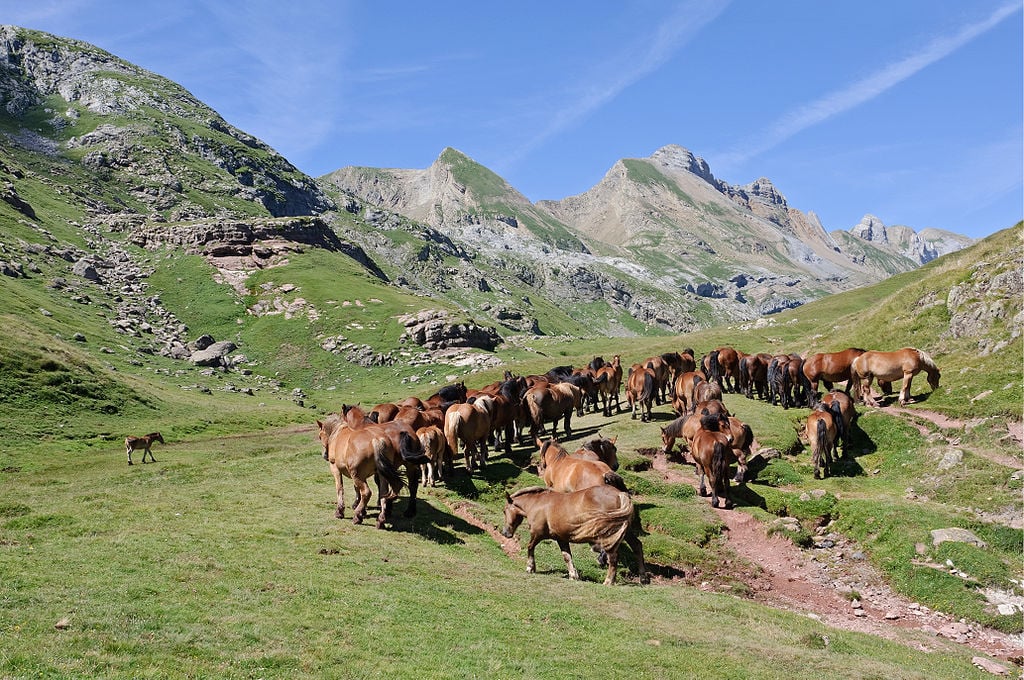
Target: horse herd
585,500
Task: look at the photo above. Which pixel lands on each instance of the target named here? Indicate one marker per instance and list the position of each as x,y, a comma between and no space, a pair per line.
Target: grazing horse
598,515
136,443
843,411
556,402
609,383
470,423
360,454
821,435
684,391
602,449
828,368
562,471
640,388
888,367
711,452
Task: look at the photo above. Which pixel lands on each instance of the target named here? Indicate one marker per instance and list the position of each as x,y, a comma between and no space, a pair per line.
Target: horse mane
927,360
562,453
675,428
528,491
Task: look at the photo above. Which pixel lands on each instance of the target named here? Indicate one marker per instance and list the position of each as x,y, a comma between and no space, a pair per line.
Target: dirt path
820,583
1014,429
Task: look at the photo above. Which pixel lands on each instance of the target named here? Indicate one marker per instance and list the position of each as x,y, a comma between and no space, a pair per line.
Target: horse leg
144,452
638,552
613,566
531,563
483,453
566,424
129,449
563,545
413,473
363,492
905,392
339,489
703,490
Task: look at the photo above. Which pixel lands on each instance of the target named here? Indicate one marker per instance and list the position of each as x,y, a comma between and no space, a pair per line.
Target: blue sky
909,110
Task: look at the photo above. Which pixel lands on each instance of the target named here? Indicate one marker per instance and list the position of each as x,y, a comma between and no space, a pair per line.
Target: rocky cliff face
919,247
179,158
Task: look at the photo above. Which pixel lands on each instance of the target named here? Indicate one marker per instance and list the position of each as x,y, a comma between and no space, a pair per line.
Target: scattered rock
956,535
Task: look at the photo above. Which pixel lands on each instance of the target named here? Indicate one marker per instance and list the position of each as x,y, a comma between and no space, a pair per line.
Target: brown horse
598,515
555,402
564,472
684,391
821,435
724,364
662,372
470,424
144,442
843,411
888,367
711,452
829,368
640,390
609,384
602,449
360,454
754,375
435,448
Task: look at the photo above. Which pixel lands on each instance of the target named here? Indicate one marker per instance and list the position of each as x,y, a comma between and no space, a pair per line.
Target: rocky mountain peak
675,157
763,189
870,228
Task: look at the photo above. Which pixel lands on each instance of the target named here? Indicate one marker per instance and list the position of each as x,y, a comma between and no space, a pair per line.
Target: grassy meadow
223,558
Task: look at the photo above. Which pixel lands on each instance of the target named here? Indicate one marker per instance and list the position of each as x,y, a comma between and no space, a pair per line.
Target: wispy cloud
618,74
861,91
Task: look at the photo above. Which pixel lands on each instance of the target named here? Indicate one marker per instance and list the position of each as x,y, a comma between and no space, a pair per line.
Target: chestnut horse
609,384
828,368
552,402
711,452
470,423
843,411
360,454
890,366
821,435
435,448
724,364
144,442
684,397
598,515
641,386
564,472
602,449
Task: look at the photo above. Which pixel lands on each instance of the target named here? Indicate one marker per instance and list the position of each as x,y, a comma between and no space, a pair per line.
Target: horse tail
855,379
648,391
386,467
616,480
411,449
452,423
821,437
720,466
714,366
837,417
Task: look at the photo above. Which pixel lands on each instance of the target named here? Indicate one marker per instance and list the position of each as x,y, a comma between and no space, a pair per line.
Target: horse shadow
435,525
742,494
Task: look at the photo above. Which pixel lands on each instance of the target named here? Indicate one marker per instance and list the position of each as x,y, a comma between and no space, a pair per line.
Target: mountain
102,161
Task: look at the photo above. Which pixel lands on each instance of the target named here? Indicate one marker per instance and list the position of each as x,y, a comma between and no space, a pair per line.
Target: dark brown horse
144,442
551,402
754,375
829,368
598,515
888,367
843,411
711,452
724,364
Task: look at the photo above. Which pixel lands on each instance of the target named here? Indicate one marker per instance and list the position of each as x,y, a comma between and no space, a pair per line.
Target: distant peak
675,157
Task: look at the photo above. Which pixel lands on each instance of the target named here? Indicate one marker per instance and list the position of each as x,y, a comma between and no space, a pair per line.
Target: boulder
213,355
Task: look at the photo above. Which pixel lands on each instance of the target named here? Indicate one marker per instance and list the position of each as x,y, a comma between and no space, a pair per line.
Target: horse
662,372
598,515
470,423
546,402
707,390
602,449
403,439
778,380
640,389
360,454
724,365
890,366
843,411
711,452
562,471
828,368
383,413
435,448
508,404
144,442
609,383
742,439
821,435
754,375
684,391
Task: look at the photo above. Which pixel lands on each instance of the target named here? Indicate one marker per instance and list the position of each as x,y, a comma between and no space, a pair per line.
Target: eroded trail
824,583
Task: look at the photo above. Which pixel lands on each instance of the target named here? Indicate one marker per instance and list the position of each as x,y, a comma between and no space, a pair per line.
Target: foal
136,443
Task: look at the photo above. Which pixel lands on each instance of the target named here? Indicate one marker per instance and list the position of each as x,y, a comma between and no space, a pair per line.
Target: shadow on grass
434,525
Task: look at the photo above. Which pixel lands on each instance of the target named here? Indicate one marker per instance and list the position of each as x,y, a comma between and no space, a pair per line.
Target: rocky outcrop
992,296
919,247
434,329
